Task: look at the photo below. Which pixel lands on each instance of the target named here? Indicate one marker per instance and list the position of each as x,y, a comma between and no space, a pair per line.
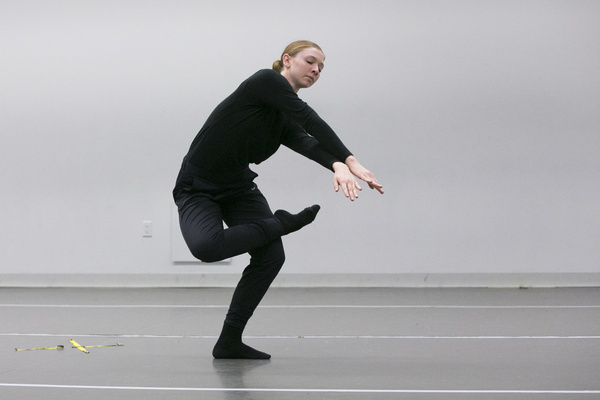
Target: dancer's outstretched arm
362,173
344,178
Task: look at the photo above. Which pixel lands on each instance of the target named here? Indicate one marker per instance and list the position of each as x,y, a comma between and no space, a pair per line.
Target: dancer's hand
362,173
343,178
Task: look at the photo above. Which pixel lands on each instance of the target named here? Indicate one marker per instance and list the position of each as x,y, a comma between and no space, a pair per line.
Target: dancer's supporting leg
265,264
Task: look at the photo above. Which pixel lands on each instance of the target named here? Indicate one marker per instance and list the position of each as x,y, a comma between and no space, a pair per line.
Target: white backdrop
479,117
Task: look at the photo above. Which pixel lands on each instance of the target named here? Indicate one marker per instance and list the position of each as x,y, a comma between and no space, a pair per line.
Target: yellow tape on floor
102,345
59,347
75,346
80,347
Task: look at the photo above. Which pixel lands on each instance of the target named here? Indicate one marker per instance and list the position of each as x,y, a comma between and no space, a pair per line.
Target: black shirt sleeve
301,142
273,90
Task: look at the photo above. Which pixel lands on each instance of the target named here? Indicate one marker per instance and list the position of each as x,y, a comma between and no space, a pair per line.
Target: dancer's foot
230,345
294,222
238,350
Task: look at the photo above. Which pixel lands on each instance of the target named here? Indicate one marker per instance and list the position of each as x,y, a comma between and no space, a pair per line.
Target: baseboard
306,280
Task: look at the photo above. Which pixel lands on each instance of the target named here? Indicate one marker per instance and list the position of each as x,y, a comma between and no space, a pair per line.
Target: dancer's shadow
232,373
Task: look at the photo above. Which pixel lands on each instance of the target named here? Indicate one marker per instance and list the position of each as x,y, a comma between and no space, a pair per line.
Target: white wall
479,117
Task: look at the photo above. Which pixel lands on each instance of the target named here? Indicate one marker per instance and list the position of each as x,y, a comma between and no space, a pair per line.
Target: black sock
293,222
230,345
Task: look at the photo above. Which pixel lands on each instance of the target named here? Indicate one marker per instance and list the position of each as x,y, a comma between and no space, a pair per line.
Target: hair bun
278,65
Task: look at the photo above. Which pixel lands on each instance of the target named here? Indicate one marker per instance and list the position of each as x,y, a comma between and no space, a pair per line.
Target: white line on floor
288,306
303,390
143,336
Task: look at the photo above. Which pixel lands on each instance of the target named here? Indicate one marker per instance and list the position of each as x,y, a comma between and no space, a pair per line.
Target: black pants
204,206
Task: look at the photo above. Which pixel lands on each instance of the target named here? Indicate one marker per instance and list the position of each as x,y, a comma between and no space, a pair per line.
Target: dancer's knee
271,256
277,261
205,255
206,251
280,258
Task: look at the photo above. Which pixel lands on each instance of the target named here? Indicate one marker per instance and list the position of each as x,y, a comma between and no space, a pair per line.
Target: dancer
216,185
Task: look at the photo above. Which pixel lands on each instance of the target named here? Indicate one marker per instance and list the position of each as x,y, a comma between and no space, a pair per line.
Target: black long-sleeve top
250,125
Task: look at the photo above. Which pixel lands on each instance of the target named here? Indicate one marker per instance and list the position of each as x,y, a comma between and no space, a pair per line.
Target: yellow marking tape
75,346
59,347
101,345
80,347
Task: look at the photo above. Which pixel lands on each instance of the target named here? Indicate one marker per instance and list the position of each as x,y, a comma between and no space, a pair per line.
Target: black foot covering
230,345
238,350
294,222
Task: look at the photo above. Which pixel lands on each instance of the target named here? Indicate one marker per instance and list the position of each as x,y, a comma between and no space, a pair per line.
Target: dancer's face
304,69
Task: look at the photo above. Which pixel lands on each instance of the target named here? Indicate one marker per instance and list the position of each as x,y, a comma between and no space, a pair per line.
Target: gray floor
412,344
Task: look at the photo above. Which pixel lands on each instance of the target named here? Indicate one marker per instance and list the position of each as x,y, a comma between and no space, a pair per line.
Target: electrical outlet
147,228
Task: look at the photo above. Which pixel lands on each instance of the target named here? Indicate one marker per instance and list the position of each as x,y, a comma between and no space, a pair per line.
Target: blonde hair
292,49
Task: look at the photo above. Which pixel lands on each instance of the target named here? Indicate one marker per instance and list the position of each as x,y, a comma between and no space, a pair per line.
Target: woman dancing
216,185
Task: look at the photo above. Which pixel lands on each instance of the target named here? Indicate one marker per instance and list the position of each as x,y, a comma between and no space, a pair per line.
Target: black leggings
251,228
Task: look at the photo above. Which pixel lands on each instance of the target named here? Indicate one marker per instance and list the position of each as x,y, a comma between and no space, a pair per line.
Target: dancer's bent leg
201,221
